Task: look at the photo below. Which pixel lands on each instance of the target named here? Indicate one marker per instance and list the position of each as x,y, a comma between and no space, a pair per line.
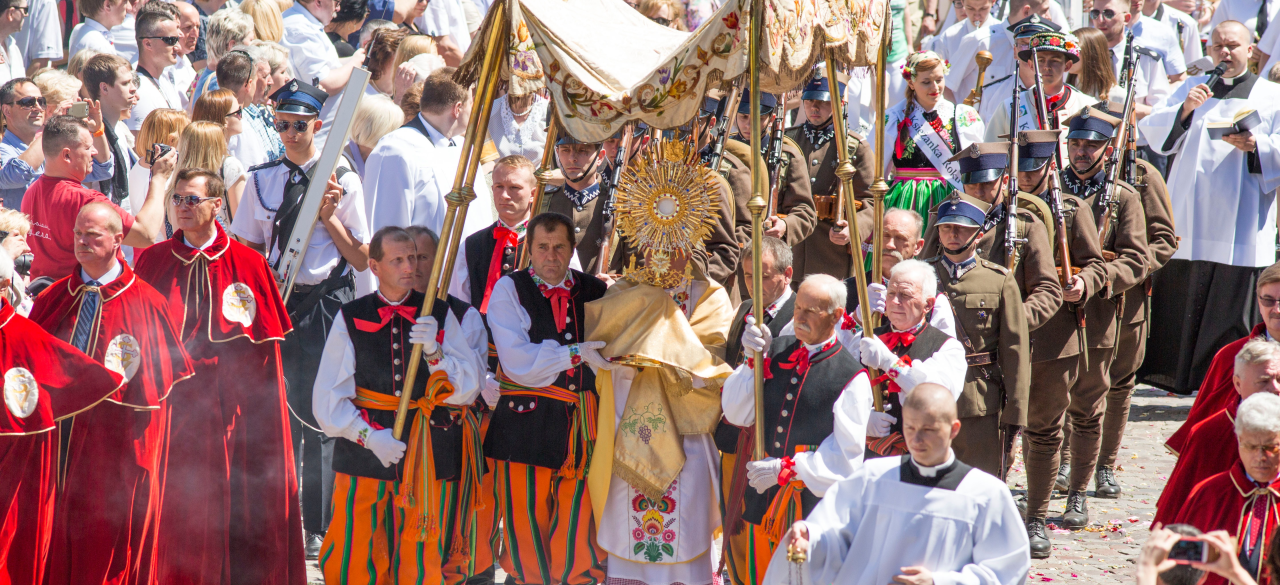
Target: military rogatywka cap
767,103
300,98
818,89
962,210
1035,148
1092,124
982,162
1033,25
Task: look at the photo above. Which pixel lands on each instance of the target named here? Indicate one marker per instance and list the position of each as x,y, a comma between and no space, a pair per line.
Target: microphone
1215,75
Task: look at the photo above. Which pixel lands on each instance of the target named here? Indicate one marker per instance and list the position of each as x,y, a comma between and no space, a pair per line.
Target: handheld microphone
1215,75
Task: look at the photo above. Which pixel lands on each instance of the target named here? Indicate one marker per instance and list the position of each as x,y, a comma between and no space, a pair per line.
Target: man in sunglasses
158,37
268,212
21,152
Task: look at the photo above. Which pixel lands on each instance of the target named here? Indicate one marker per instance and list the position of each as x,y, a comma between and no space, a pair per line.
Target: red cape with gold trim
230,490
109,488
1222,502
1216,392
1210,449
44,380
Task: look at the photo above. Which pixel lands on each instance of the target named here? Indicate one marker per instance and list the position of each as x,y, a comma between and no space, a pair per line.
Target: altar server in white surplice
924,517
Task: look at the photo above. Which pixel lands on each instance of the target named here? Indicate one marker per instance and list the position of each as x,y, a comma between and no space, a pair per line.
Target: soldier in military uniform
826,250
984,172
579,197
794,217
992,326
326,280
1124,251
1055,359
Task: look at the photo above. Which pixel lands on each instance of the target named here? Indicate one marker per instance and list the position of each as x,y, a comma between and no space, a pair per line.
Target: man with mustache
902,242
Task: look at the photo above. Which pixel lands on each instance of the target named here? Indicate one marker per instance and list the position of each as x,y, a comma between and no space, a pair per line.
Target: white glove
424,332
909,379
763,474
387,449
590,352
878,424
876,296
756,338
490,391
876,354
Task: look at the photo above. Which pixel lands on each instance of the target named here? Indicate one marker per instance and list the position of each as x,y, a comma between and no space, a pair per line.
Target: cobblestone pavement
1105,552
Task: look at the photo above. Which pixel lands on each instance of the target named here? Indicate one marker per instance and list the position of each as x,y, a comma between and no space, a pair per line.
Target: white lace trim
520,135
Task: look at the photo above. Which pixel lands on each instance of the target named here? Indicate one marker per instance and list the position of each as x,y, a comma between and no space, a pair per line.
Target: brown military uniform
816,253
1055,358
795,197
992,325
1034,272
588,223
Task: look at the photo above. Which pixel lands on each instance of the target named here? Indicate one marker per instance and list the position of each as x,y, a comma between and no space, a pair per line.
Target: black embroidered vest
726,434
927,343
478,250
534,430
382,357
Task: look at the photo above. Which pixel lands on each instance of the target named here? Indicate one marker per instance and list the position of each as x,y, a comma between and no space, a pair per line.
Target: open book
1244,121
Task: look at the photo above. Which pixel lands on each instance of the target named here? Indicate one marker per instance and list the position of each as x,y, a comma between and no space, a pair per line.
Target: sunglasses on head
1107,14
282,126
189,200
168,41
660,20
30,102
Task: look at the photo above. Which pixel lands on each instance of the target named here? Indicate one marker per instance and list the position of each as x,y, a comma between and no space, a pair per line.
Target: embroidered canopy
606,65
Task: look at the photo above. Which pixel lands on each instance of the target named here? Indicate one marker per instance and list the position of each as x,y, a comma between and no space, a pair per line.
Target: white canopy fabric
606,65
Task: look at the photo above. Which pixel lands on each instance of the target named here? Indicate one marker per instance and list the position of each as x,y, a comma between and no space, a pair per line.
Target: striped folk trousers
548,532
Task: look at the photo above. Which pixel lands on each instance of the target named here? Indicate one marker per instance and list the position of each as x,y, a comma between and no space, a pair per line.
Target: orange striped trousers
548,532
748,552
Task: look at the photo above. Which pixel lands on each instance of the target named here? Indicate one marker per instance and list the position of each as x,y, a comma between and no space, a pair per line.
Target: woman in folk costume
653,473
922,132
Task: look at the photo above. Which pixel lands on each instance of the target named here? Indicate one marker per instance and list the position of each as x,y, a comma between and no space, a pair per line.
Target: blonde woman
15,226
268,24
75,67
922,132
161,126
204,145
376,116
278,58
58,87
412,46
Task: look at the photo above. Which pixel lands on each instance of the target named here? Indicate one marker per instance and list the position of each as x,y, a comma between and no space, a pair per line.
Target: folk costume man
817,407
1216,391
273,199
1056,52
902,242
794,218
45,380
1124,266
1055,358
399,495
984,173
992,326
826,250
654,465
109,495
1219,184
229,455
924,517
908,349
543,430
1244,500
1212,446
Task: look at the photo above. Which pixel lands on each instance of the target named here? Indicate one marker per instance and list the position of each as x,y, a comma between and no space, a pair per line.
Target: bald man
947,521
108,494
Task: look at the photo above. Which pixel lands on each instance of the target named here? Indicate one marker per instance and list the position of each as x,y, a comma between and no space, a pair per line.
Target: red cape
1216,391
1222,502
109,493
230,504
67,382
1211,449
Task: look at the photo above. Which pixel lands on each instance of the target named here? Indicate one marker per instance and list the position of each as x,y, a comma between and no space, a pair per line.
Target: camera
79,110
152,155
1189,550
22,264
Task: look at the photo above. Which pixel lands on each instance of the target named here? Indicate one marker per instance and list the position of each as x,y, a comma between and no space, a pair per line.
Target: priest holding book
1223,207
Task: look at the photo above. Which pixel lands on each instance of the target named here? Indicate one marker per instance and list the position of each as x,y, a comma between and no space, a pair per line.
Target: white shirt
947,43
963,76
1245,12
14,65
263,193
90,34
528,364
313,56
153,94
41,33
1155,35
111,275
335,385
1185,28
182,76
123,35
946,367
407,176
446,18
1151,83
840,453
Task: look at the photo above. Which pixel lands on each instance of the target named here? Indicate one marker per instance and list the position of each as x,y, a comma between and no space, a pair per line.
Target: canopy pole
879,187
756,206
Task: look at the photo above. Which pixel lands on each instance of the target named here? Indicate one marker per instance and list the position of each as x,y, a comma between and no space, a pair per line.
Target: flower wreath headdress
914,59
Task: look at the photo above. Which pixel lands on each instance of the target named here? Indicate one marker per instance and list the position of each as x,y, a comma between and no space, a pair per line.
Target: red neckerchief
386,314
893,339
799,359
503,237
559,297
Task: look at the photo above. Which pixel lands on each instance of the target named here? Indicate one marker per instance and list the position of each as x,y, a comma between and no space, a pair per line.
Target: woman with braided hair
922,132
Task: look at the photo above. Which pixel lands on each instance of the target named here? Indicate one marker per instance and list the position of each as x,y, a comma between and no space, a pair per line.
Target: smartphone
79,110
152,155
1189,550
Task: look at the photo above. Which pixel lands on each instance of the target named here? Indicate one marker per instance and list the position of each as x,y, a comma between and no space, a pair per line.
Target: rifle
1059,220
1011,240
1118,170
610,196
1129,170
773,158
727,107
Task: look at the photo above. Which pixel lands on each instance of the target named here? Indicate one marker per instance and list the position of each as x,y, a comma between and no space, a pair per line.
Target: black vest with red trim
534,430
478,249
928,341
382,357
726,434
798,411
